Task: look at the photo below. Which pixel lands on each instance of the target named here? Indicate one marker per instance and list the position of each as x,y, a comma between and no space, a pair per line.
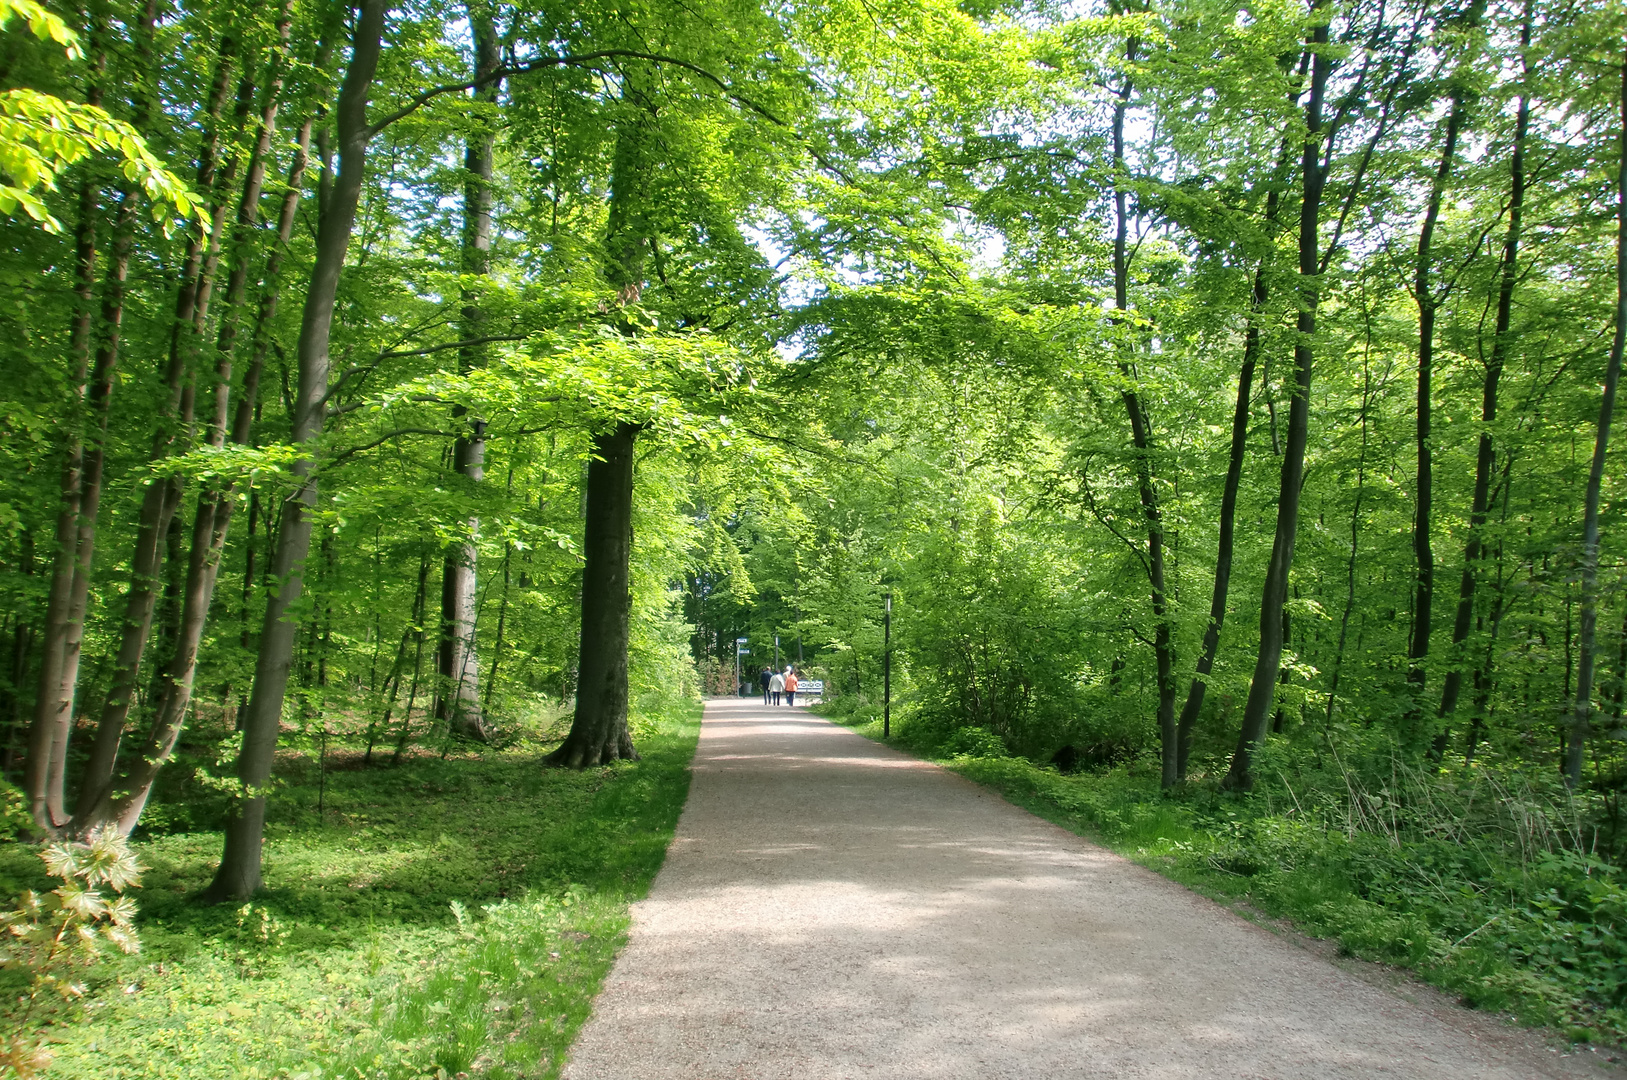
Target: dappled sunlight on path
832,908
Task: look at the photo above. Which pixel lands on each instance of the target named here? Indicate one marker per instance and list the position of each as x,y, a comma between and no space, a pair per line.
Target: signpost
887,665
738,652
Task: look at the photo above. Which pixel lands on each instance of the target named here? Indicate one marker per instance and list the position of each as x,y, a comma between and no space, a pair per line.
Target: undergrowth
1483,884
440,918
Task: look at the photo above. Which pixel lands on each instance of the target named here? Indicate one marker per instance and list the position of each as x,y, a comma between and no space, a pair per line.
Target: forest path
831,908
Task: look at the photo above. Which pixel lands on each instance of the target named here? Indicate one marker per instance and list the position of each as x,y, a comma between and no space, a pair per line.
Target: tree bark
1196,692
458,664
162,497
599,733
83,464
1424,295
103,800
1581,718
418,615
239,875
1486,457
1274,593
1141,438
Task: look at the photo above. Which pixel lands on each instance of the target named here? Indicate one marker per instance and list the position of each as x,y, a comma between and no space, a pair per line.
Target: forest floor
439,918
834,908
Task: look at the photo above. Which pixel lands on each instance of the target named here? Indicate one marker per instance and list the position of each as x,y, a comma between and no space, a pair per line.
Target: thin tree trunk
161,497
1581,718
239,875
418,616
1486,458
1188,719
213,513
1355,535
1274,593
1141,438
502,619
457,660
1424,294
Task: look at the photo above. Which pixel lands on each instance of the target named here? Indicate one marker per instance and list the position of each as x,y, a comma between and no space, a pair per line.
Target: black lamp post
887,665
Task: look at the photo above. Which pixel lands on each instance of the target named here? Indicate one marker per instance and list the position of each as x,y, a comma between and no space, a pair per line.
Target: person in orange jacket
790,685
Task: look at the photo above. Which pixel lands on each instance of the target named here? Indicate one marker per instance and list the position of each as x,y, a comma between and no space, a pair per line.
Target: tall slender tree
1274,592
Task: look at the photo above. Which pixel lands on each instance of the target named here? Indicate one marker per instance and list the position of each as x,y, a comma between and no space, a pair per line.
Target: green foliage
48,942
41,135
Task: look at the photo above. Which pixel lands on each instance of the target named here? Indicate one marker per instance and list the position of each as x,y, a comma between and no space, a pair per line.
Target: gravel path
832,908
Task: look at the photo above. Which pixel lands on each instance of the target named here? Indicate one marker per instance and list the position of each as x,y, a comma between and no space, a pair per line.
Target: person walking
776,686
765,678
790,685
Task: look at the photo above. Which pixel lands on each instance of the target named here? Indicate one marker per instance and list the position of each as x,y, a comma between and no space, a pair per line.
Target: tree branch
542,63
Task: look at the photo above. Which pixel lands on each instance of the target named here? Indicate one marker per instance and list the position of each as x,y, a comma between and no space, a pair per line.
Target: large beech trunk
239,873
458,664
1582,710
1274,593
599,732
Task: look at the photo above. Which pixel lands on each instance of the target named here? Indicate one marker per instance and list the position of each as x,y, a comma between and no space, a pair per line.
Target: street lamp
887,665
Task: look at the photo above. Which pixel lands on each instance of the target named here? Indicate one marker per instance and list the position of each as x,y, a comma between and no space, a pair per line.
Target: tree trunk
1424,294
161,497
1355,532
83,466
1188,720
239,873
101,799
1141,438
599,733
458,703
1581,718
418,614
1274,593
1486,458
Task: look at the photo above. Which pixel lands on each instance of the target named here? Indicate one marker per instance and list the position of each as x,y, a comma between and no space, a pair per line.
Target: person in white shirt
776,686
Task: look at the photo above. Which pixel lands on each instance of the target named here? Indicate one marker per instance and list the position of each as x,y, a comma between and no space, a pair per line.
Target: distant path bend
831,908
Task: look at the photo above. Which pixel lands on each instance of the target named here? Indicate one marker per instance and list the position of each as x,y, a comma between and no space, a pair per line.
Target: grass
442,918
1477,889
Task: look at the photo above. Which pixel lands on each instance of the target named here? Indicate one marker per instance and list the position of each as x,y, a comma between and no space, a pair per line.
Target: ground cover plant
1480,882
445,916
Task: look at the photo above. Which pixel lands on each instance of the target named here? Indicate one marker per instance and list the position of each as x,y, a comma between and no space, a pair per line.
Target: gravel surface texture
832,908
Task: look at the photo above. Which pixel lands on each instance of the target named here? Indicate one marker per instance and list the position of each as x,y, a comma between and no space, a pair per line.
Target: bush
973,742
47,941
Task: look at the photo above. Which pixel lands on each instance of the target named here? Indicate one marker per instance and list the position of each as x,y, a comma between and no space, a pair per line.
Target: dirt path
832,909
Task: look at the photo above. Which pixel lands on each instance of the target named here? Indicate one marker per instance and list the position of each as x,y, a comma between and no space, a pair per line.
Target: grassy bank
439,918
1484,890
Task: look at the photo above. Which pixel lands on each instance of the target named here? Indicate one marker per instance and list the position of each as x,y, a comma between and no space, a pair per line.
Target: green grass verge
1545,941
439,918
